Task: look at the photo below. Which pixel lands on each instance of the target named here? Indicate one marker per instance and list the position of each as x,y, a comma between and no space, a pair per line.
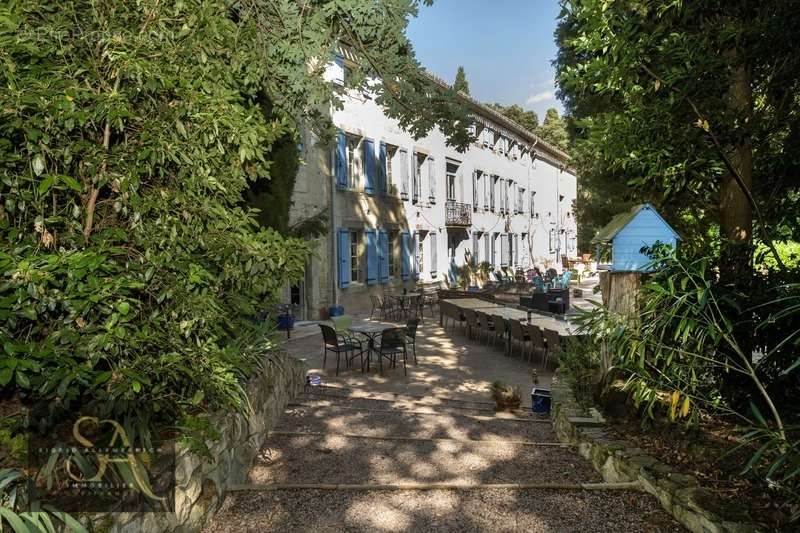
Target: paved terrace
426,452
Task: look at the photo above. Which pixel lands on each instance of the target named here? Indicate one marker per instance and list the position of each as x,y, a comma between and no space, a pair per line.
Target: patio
384,451
449,364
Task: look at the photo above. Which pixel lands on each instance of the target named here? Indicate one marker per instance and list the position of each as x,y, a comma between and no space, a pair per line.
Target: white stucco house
404,211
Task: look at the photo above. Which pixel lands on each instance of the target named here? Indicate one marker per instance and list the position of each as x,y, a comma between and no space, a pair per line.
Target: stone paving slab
319,417
442,511
338,459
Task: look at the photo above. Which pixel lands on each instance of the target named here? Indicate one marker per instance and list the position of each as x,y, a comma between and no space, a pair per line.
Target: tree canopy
690,105
554,129
461,84
131,133
528,119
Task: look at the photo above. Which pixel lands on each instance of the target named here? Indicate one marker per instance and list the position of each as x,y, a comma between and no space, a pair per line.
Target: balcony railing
457,214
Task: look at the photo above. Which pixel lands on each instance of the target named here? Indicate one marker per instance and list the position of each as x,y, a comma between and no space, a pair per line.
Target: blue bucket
336,310
540,400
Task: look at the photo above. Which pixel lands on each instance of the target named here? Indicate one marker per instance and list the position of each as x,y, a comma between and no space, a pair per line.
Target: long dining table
563,327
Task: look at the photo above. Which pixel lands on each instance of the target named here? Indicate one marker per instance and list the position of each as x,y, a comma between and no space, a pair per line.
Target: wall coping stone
696,508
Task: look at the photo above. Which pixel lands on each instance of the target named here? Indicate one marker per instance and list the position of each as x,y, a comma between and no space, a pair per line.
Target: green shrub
133,278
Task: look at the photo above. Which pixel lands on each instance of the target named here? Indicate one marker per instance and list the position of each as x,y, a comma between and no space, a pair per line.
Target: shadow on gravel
320,440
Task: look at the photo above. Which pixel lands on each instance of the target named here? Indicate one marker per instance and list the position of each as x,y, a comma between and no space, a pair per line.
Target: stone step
419,404
444,511
332,417
339,459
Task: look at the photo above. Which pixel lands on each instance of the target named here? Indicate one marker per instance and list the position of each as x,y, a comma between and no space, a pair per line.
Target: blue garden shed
628,233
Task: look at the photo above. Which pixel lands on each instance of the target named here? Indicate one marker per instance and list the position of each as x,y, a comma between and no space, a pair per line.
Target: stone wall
697,508
201,484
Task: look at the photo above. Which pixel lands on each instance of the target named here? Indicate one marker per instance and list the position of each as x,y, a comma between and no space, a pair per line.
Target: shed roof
607,233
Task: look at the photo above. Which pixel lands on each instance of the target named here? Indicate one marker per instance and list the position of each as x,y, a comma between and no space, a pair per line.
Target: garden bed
619,456
712,455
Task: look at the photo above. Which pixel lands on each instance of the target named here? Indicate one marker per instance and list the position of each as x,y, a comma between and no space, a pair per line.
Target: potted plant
506,397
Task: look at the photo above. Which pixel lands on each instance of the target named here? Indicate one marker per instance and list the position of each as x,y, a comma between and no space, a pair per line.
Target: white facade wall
543,231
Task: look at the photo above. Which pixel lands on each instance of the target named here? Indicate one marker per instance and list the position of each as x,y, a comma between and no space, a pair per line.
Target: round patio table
372,330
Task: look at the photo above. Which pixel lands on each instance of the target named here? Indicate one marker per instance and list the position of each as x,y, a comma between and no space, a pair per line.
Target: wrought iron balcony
457,214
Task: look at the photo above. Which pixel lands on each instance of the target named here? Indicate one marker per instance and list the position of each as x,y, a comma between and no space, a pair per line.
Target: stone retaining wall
697,508
201,484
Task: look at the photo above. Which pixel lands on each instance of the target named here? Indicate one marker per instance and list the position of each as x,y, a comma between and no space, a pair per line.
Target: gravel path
484,448
337,459
442,511
335,419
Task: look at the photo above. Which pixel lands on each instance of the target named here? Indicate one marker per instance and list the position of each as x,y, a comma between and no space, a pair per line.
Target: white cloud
544,96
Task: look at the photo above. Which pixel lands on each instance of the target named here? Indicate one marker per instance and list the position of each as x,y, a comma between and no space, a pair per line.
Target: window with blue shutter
488,250
369,163
475,247
503,250
405,245
373,264
382,183
383,255
340,160
344,257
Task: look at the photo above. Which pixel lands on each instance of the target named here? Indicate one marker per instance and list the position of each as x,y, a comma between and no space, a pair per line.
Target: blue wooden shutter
382,184
403,174
341,160
434,254
415,244
475,247
432,179
369,163
405,244
383,255
344,257
474,190
373,264
415,177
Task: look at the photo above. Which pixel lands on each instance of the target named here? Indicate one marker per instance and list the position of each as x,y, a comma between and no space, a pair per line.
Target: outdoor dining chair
537,341
553,345
499,328
411,336
382,305
485,325
392,344
518,335
471,320
340,344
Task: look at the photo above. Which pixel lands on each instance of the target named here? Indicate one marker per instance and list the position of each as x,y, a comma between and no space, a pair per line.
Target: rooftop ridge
499,117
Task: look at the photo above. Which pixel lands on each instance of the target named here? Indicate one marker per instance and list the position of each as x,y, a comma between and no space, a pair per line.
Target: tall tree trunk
736,214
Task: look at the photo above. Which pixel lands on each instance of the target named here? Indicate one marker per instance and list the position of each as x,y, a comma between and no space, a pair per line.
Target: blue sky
505,46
